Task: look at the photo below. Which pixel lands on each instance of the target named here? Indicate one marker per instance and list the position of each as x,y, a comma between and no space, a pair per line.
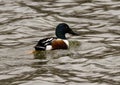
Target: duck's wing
41,45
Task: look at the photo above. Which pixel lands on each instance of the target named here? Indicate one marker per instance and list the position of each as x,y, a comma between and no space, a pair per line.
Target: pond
93,57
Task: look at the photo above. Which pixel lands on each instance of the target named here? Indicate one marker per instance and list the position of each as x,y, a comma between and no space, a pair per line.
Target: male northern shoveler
59,42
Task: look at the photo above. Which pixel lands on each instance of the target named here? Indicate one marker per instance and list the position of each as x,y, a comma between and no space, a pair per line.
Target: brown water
96,61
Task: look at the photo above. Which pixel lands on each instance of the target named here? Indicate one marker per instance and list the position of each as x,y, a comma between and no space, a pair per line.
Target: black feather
41,45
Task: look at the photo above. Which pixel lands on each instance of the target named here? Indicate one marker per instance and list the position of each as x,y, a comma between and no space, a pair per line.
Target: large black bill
73,33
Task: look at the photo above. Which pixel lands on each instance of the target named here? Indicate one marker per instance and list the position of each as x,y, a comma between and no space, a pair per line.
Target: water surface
94,56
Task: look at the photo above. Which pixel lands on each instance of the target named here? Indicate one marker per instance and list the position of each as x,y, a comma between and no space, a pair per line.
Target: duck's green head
62,29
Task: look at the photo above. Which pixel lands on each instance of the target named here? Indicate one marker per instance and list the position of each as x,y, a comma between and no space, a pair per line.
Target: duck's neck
61,36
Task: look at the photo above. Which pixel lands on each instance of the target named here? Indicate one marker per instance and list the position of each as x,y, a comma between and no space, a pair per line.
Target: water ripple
93,57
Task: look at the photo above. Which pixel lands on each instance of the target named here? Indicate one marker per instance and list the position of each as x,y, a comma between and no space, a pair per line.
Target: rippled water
94,56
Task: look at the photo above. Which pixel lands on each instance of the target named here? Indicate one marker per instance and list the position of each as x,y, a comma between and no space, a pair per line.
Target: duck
58,42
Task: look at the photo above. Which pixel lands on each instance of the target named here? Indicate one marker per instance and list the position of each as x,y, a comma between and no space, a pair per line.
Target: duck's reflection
39,55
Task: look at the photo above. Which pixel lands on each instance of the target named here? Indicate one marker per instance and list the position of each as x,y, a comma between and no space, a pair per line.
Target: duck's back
41,45
51,43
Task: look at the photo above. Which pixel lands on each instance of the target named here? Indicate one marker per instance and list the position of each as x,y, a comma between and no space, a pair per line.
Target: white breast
66,42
